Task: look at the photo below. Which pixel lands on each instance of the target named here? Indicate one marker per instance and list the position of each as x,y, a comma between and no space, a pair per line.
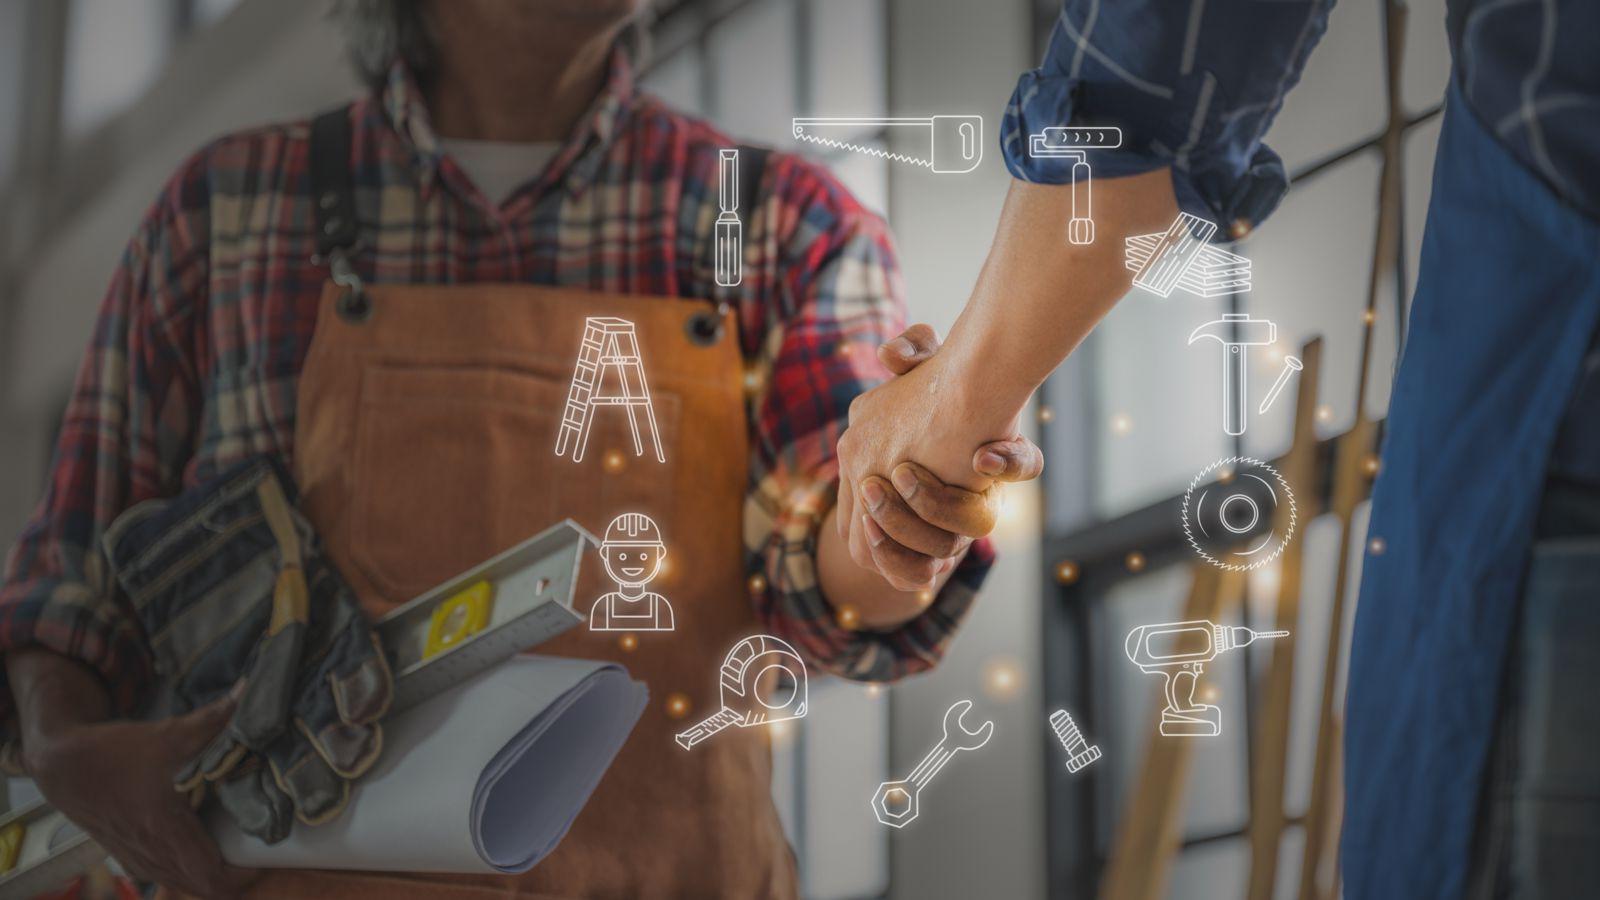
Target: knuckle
899,579
1026,467
1015,466
915,569
860,556
944,511
845,446
922,334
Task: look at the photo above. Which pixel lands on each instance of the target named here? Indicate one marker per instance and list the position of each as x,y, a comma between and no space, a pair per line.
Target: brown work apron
425,443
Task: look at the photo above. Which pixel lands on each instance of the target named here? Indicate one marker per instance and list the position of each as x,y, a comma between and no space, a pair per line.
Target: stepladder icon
609,372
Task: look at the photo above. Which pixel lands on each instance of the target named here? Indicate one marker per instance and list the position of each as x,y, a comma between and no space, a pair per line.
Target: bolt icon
1079,752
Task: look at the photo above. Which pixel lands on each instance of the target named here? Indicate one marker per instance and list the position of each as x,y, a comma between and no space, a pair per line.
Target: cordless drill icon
1179,651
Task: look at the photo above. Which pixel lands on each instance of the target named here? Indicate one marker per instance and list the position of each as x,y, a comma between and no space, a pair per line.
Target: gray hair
378,32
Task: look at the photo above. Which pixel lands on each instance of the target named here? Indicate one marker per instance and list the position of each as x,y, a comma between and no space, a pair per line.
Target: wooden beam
1353,472
1269,759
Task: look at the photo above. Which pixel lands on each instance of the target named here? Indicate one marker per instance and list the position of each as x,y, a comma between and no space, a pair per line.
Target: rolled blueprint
486,777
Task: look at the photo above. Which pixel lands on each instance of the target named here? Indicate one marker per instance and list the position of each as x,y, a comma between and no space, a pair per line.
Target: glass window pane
1126,700
208,11
867,178
13,37
1220,869
1310,267
677,81
114,50
848,73
753,61
1291,850
1426,71
1340,98
846,750
1321,544
1159,400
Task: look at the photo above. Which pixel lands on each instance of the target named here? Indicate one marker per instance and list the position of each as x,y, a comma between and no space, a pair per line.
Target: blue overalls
1457,638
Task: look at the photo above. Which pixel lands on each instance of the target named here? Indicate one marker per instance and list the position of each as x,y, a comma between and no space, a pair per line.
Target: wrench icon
895,802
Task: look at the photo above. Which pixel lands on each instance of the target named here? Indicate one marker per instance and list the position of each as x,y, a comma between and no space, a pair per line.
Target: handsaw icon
955,143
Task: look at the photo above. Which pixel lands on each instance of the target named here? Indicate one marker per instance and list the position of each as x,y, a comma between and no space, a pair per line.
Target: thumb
1014,459
188,734
909,349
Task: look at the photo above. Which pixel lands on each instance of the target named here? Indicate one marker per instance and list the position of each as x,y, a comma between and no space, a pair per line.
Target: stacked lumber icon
1183,258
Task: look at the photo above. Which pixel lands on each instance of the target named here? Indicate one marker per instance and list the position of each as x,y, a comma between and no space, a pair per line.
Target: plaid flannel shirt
194,361
1195,85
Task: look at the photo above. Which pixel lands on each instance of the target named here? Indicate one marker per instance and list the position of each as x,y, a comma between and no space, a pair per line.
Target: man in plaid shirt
194,362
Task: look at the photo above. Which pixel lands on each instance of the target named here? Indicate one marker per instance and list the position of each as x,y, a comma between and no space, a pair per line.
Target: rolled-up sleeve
839,296
124,435
1193,84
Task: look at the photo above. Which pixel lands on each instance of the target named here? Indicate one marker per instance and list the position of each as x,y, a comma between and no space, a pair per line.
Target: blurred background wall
101,99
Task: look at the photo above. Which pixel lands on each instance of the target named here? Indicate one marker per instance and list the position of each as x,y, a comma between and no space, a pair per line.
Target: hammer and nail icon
1237,332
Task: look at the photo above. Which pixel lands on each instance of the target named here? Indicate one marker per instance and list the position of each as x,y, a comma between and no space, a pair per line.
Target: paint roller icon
1067,142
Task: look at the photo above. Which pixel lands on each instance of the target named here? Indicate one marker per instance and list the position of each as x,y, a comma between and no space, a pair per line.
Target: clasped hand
913,526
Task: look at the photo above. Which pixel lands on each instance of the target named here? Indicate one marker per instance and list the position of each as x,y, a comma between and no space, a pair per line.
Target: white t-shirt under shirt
499,168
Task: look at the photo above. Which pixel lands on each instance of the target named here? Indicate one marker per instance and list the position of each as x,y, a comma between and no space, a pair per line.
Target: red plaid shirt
194,362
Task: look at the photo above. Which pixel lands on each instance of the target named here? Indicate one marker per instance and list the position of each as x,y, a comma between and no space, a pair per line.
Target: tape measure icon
763,680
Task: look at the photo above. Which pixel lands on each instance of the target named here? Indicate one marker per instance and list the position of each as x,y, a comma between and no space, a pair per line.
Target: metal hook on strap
353,305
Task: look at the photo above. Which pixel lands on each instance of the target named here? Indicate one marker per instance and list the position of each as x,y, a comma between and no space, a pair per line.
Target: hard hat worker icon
633,553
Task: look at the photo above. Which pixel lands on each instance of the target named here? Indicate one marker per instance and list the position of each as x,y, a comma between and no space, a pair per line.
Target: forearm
876,604
1038,295
53,693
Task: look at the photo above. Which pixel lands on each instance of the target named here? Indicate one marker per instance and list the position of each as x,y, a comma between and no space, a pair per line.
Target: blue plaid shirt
1498,388
1196,85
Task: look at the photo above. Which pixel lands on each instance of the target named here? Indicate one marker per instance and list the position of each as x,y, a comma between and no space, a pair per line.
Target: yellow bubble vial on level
11,845
459,617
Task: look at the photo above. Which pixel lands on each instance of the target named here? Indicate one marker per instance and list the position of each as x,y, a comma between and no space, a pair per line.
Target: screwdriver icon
729,233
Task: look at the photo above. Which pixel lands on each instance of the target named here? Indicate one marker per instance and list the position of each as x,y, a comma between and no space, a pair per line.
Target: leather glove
234,597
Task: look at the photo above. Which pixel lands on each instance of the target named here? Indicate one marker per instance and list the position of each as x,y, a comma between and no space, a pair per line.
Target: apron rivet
353,305
704,328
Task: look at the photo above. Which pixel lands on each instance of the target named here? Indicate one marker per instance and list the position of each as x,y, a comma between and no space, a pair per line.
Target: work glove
234,597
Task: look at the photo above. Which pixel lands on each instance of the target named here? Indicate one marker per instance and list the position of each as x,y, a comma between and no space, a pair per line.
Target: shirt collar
574,166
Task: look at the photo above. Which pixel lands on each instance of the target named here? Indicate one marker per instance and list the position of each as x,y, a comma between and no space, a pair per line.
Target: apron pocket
448,470
455,463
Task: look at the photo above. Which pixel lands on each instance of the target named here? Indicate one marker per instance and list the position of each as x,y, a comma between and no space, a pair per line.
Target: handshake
929,432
